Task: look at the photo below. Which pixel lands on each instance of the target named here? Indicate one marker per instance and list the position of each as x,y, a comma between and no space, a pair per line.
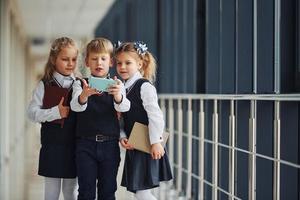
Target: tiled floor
36,185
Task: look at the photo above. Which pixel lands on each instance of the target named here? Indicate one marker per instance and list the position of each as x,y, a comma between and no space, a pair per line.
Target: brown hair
148,69
57,45
100,45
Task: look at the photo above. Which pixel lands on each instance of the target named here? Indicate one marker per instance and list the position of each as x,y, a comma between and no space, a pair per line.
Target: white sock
144,195
52,188
69,188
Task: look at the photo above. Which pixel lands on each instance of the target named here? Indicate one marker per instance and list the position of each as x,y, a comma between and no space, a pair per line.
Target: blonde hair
100,45
57,45
148,69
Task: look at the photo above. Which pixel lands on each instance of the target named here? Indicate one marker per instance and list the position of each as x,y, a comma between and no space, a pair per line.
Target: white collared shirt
77,107
35,112
150,103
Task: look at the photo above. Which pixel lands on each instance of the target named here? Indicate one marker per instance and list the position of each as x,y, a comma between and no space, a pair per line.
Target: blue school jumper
141,172
57,153
97,150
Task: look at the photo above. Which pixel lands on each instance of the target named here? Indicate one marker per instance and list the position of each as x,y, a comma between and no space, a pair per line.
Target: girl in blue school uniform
50,107
142,171
97,129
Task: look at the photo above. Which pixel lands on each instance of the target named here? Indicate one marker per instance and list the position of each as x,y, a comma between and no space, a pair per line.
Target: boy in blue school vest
97,130
50,107
142,171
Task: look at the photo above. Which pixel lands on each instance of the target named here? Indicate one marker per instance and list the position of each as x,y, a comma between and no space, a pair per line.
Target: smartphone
101,84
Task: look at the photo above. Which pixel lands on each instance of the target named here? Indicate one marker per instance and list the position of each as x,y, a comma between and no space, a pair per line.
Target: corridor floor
35,183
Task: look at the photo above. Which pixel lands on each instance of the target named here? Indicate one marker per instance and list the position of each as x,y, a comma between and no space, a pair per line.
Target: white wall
14,84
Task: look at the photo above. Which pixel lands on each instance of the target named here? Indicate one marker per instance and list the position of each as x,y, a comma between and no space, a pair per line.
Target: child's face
98,63
127,64
65,62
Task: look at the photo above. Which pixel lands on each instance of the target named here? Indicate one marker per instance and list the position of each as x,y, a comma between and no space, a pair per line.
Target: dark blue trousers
97,164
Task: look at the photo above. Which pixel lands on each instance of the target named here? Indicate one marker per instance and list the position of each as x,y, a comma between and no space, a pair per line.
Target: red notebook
52,97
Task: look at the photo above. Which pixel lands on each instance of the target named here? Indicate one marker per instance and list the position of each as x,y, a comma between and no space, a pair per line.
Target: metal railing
186,119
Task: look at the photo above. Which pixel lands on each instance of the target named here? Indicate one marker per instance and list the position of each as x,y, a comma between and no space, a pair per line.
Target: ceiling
53,18
47,19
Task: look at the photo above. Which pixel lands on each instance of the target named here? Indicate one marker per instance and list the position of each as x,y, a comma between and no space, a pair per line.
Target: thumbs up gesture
63,110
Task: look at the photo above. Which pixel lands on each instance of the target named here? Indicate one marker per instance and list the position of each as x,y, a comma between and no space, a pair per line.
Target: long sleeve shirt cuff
156,139
124,106
55,112
122,134
77,106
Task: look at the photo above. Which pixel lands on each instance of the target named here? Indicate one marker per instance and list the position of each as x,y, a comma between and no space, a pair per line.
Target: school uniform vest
100,117
57,153
53,132
136,113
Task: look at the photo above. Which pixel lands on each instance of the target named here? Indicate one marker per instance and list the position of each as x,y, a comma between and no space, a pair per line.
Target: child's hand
86,92
125,144
157,151
63,110
115,90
